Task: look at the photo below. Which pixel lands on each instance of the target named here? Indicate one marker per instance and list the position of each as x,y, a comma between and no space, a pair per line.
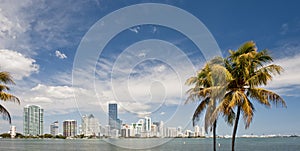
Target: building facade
13,131
69,128
33,123
54,128
90,126
113,121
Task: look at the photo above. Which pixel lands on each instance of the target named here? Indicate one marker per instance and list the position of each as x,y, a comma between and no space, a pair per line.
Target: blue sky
40,44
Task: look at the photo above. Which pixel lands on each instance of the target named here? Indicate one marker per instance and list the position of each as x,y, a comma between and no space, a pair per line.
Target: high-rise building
113,121
69,128
13,131
197,131
90,126
54,128
33,120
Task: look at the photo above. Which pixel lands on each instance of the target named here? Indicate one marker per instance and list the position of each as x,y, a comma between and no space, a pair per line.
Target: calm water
179,144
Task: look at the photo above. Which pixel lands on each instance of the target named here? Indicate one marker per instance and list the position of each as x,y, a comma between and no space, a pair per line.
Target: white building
126,131
54,128
138,128
147,126
171,132
197,131
90,126
33,123
179,132
13,131
161,128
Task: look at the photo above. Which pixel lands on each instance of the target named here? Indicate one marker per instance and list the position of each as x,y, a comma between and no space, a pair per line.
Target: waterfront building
33,123
54,128
13,131
171,132
179,132
147,126
197,131
161,128
126,130
90,126
113,121
189,133
138,128
69,128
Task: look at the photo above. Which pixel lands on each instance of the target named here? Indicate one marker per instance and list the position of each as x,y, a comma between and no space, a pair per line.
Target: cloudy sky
73,57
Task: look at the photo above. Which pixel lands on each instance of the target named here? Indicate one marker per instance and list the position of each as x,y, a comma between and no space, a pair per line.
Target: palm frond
8,97
247,109
5,114
263,96
6,78
201,107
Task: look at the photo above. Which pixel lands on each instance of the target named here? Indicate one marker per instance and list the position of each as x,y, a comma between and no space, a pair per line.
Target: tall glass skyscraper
113,120
112,115
33,123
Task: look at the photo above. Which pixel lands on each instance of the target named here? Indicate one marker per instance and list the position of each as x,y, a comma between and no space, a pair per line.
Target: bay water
151,144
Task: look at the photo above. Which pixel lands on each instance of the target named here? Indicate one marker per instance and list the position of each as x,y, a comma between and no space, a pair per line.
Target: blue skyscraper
113,120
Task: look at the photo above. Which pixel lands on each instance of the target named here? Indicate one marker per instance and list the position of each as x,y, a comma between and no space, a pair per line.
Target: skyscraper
69,128
113,120
90,126
54,128
33,120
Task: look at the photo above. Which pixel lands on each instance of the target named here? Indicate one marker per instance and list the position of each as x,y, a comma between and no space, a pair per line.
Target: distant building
13,131
126,131
179,132
69,128
54,128
189,133
197,131
171,132
90,126
33,120
113,121
161,128
147,126
137,128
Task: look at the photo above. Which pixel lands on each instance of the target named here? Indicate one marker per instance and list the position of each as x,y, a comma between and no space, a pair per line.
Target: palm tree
249,69
5,78
207,90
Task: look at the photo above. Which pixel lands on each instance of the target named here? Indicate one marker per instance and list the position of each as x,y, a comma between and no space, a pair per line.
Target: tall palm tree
249,69
207,90
5,78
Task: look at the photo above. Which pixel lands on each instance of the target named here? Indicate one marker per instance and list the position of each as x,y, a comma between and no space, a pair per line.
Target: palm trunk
235,126
214,134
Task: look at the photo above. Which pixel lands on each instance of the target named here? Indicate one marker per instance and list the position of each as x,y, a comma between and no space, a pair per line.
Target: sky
74,57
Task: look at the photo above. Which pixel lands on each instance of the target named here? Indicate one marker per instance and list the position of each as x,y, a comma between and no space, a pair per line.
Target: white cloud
17,64
288,82
284,29
60,55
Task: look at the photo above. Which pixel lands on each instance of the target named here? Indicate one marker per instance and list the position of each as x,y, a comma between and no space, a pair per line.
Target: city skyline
41,51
